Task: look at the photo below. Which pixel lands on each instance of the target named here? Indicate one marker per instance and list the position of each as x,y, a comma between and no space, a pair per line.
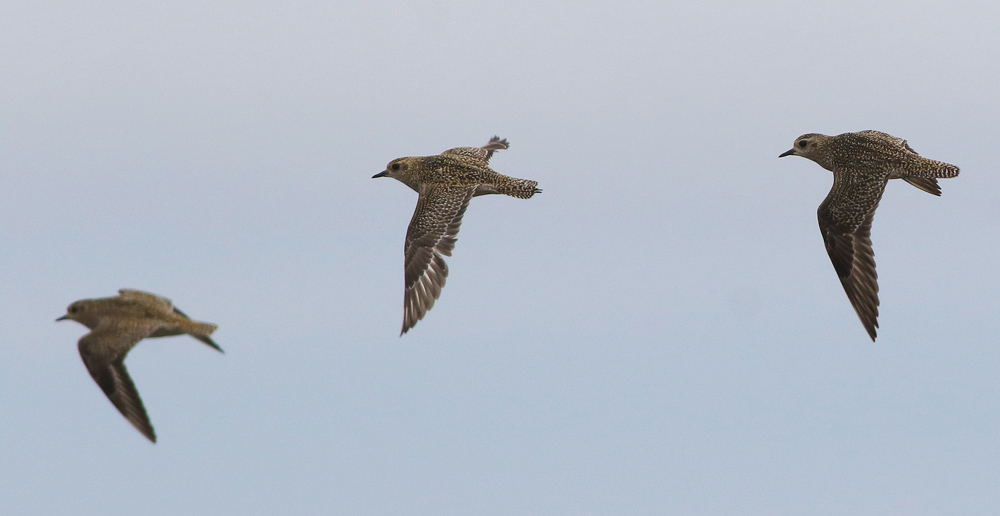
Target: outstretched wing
99,351
479,155
431,235
849,245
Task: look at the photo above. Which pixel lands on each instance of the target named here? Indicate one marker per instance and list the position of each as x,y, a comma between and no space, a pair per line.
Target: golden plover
862,163
446,183
117,324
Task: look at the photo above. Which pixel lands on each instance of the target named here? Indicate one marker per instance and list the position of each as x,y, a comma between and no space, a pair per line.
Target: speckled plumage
117,324
862,163
446,183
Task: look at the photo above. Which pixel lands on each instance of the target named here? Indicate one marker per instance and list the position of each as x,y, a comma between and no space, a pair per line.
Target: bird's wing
899,160
927,184
849,245
103,352
152,300
432,233
879,135
482,154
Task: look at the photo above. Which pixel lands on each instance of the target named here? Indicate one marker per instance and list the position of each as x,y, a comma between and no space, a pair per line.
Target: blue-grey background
659,332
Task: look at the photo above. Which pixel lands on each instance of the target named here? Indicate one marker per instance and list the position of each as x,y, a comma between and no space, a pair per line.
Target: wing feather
107,367
849,245
431,235
481,155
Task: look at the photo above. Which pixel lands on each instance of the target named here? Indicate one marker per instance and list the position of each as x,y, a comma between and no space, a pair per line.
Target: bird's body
862,163
446,183
117,324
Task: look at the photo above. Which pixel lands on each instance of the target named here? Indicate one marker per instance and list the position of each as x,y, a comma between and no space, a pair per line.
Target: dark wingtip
872,332
146,430
210,342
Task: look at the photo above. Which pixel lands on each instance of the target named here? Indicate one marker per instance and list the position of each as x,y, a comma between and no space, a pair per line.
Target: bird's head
811,146
399,168
81,312
806,146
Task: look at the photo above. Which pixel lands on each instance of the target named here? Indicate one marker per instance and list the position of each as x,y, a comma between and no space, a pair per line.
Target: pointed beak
63,318
381,174
788,152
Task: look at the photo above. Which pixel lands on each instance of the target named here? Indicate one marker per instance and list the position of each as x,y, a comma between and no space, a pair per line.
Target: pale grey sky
659,332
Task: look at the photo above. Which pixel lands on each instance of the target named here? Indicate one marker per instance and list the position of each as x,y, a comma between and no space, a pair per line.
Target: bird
445,184
117,324
862,163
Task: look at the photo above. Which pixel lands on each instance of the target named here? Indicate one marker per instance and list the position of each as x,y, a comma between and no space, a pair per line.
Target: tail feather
520,188
201,331
945,170
925,173
924,167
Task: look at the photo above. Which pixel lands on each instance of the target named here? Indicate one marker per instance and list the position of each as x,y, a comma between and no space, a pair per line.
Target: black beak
788,152
381,174
63,318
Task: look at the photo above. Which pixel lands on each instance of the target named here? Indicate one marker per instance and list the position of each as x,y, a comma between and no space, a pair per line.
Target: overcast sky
659,332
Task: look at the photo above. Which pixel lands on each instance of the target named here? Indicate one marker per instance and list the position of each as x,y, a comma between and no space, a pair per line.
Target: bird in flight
116,325
862,163
445,184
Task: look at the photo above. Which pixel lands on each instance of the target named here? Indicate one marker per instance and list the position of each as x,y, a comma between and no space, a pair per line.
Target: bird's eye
395,166
803,143
72,310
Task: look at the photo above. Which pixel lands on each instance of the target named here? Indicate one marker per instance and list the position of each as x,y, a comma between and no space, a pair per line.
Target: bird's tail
943,170
926,179
201,331
520,188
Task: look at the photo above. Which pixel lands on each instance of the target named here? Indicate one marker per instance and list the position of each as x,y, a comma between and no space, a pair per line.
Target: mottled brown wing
850,250
107,368
432,233
927,184
895,140
148,299
480,155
